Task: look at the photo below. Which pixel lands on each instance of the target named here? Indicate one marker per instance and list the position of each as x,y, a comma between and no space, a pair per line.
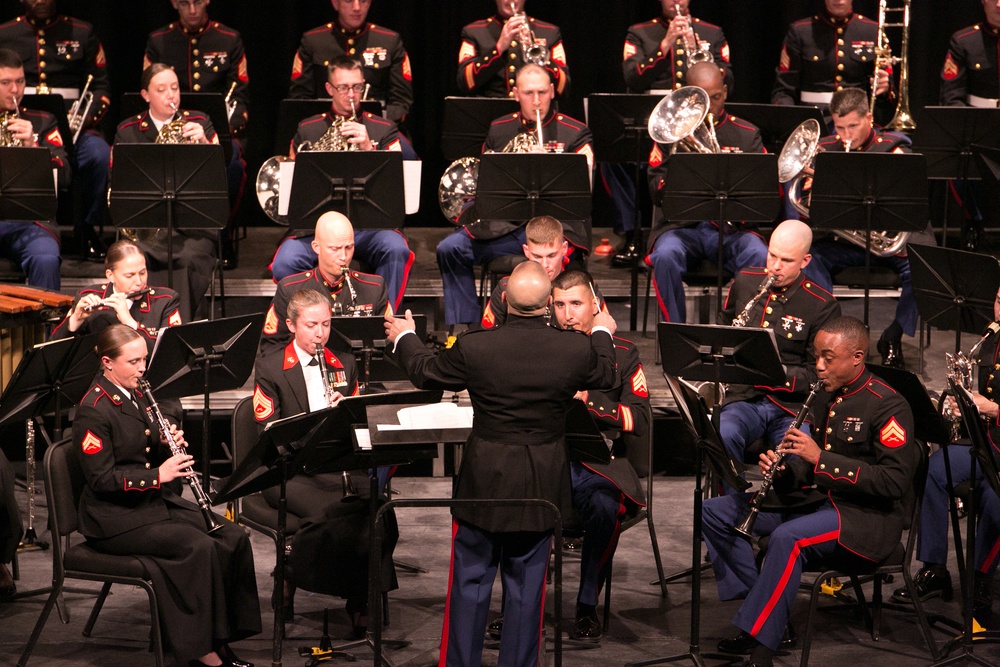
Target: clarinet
757,500
330,391
200,496
350,288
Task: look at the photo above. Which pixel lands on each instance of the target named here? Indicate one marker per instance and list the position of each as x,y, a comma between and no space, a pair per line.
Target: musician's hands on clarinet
176,467
799,444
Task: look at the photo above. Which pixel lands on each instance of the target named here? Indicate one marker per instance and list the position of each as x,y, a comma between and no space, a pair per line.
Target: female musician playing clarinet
206,584
124,298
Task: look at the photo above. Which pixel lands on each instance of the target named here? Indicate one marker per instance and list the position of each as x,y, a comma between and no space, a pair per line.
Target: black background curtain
593,32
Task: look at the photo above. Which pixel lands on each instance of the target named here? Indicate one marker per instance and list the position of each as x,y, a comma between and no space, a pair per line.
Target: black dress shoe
358,613
892,352
930,582
744,643
230,658
494,629
626,257
92,250
587,627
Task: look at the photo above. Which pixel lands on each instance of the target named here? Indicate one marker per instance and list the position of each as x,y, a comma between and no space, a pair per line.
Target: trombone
902,120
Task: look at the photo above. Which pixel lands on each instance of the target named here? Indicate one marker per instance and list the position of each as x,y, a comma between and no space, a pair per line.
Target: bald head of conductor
788,252
710,77
333,243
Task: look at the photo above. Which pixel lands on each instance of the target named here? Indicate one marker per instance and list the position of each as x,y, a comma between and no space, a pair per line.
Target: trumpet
104,303
331,399
80,109
200,495
745,528
531,52
230,103
697,51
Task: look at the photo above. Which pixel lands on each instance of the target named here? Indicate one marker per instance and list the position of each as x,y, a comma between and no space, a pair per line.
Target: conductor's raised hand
395,326
604,319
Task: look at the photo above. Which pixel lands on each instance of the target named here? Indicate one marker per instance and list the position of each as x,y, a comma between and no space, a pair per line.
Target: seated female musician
166,123
206,585
291,381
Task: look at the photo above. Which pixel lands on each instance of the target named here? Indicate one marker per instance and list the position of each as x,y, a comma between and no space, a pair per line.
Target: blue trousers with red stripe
744,422
457,254
675,249
933,536
600,504
523,559
795,540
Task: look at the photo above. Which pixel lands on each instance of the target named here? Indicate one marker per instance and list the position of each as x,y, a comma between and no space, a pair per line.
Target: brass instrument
680,117
230,103
104,303
7,138
77,115
903,120
798,153
531,52
697,51
173,132
745,528
200,495
331,400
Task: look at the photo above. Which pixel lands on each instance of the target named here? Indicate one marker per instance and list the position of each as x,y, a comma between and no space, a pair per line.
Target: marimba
22,322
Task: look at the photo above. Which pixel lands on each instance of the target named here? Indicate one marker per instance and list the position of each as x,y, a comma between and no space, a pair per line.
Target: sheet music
431,416
364,438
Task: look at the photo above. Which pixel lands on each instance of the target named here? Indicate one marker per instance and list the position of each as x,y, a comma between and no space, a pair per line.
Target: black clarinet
154,414
757,499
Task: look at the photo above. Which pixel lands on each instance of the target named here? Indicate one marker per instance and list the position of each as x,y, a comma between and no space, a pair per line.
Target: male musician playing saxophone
34,246
479,241
933,578
59,53
208,57
854,128
673,247
349,292
862,466
796,308
492,51
379,50
385,250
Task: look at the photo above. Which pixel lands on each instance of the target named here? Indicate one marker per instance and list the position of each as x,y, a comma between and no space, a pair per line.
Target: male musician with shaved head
837,496
516,450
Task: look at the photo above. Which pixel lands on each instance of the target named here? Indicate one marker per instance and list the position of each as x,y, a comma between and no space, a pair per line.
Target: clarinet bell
350,494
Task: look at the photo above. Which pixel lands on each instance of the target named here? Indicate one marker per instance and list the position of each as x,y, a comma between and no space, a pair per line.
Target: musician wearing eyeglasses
837,496
479,241
495,48
671,247
832,50
59,53
379,50
933,579
34,246
208,57
659,52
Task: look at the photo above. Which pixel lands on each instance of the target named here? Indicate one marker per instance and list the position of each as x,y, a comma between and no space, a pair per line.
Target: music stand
954,289
467,121
886,190
621,136
364,337
720,187
776,122
202,358
27,192
291,112
949,138
183,185
212,105
367,187
55,105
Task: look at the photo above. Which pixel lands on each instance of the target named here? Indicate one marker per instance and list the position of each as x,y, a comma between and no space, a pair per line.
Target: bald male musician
671,246
516,450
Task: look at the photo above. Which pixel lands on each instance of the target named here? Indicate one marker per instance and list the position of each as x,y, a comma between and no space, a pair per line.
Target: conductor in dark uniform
795,308
970,75
205,583
862,465
832,50
604,495
34,246
59,54
659,52
493,50
350,292
379,50
672,247
516,450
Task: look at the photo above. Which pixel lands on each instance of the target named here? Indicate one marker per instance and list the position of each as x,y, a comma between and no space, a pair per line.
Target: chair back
244,429
64,484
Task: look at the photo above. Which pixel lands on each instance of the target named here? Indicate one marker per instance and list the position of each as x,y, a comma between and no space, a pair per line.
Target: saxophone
960,372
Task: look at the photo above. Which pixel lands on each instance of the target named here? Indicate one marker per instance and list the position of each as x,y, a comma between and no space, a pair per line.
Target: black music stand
981,453
291,112
949,138
888,191
171,186
721,187
202,358
621,136
27,192
954,289
467,121
776,122
715,353
367,187
212,105
320,441
55,105
364,337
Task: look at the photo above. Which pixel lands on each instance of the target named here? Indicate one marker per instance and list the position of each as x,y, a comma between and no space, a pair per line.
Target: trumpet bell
678,114
458,186
268,184
799,150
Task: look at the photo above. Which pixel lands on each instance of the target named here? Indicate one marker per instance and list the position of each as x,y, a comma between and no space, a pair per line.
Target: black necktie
314,362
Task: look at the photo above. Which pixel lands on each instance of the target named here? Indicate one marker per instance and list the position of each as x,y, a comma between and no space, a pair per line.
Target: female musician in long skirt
206,586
